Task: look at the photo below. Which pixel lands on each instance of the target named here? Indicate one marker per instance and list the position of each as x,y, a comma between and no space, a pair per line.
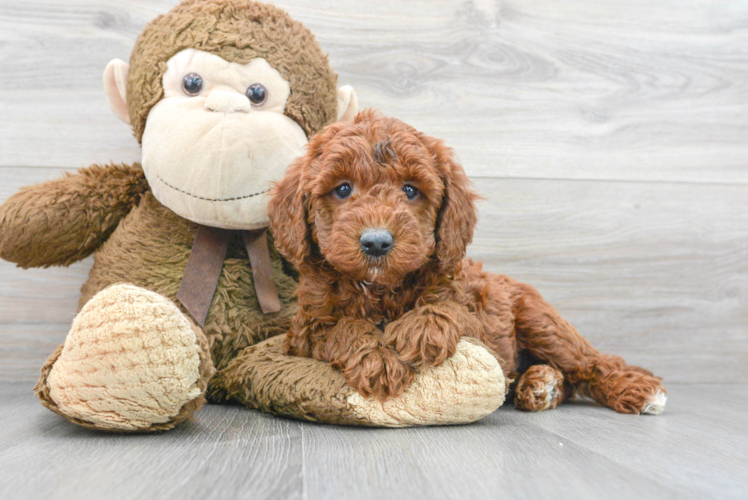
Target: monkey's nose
376,242
227,102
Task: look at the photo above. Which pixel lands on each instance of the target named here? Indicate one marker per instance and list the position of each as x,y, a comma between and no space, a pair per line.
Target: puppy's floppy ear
289,207
287,211
457,215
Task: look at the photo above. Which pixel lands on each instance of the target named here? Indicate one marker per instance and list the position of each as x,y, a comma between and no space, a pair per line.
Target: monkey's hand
62,221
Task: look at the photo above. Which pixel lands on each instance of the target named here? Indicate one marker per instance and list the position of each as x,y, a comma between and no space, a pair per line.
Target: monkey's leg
606,379
131,362
541,387
466,387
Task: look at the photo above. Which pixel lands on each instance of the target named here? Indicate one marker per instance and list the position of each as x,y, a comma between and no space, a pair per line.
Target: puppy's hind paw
541,387
655,404
634,392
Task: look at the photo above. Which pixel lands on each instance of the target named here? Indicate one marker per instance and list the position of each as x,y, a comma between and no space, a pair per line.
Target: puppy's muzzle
376,242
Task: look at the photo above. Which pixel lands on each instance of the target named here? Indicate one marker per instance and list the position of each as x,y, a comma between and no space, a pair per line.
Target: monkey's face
218,139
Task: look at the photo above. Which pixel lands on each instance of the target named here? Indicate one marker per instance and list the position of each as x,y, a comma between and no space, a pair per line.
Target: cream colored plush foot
465,388
130,361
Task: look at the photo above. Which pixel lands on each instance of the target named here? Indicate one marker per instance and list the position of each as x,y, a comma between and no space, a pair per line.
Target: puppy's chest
378,306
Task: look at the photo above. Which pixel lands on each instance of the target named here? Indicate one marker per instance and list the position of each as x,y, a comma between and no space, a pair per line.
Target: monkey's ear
115,87
347,104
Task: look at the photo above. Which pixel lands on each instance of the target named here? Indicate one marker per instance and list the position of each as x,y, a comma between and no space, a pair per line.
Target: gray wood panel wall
609,139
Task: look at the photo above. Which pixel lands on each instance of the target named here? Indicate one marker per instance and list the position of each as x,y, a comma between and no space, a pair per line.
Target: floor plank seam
700,182
304,493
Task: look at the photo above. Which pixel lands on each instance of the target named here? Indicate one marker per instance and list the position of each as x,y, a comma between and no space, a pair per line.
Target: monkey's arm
62,221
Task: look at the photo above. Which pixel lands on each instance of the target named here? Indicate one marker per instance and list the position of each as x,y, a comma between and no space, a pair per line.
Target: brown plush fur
237,31
380,319
263,377
59,222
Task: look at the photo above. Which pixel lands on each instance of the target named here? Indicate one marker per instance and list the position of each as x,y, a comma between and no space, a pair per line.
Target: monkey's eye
192,84
257,94
343,191
410,191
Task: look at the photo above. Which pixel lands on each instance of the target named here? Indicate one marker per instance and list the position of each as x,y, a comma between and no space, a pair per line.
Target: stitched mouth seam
212,199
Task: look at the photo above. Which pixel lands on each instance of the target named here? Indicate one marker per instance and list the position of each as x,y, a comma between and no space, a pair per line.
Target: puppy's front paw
425,336
378,373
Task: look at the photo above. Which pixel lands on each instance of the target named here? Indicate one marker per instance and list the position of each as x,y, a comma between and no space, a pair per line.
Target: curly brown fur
237,31
380,318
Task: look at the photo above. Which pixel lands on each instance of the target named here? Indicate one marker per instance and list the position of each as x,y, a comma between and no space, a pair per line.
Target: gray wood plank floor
578,451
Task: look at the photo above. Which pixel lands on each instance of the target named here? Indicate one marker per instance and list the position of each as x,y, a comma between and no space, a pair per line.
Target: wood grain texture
654,272
223,454
575,451
579,451
590,89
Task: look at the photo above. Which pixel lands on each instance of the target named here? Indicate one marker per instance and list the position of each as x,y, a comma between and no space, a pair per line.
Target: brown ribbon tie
256,243
204,267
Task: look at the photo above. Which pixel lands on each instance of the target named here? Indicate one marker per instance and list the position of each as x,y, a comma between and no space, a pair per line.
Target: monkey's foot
464,388
131,362
541,387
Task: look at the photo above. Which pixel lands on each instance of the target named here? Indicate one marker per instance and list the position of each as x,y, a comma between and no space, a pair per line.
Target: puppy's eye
257,94
192,84
343,191
410,191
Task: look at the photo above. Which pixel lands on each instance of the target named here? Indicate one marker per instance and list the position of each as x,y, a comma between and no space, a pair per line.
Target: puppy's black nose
376,242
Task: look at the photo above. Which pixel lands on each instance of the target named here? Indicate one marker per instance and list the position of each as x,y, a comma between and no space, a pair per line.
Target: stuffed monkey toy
187,295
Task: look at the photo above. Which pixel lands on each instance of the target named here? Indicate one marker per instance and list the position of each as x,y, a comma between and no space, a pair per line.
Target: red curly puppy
376,217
